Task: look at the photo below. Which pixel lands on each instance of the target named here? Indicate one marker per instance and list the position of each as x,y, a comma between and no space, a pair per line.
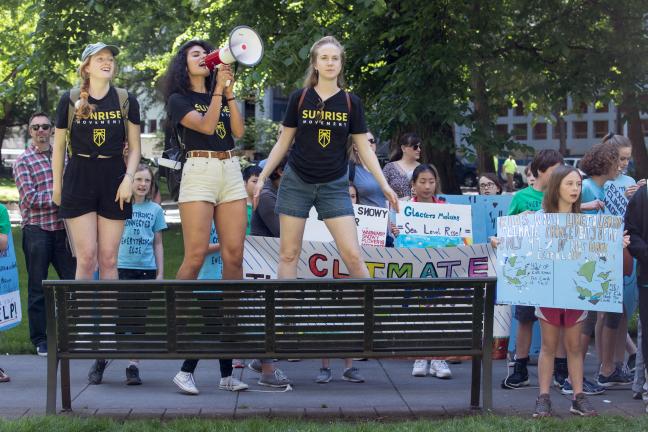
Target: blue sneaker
589,388
616,378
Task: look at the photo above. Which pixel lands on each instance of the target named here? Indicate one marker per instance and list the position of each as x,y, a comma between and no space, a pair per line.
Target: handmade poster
10,311
322,260
485,211
563,260
371,225
424,225
615,199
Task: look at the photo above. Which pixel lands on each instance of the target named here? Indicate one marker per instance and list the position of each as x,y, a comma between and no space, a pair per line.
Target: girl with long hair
202,110
94,194
319,118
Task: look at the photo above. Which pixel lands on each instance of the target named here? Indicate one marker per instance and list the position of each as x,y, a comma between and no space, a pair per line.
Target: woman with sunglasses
405,159
320,117
368,189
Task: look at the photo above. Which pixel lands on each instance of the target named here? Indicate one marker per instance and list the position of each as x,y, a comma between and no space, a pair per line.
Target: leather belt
211,154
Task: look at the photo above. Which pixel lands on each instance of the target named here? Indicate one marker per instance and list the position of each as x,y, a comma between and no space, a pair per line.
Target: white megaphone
244,46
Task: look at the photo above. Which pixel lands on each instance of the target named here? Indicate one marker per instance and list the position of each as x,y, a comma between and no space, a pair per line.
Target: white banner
322,260
371,225
10,313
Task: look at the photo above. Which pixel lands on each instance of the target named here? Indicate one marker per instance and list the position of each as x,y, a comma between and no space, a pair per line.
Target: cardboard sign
562,260
371,223
10,311
424,225
322,260
485,211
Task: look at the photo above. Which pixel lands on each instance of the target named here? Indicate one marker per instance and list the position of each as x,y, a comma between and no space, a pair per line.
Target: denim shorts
296,197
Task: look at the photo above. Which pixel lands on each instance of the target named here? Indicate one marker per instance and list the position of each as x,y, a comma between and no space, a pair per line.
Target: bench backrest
269,318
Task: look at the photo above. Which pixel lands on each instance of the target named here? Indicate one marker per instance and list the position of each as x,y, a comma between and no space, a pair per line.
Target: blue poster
485,211
562,260
10,312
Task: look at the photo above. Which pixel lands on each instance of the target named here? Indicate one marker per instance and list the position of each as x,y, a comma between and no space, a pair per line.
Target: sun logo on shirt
324,137
220,130
99,136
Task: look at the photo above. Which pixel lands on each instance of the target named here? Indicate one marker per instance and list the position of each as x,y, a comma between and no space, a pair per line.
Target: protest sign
322,260
615,199
563,260
10,312
371,225
485,211
425,225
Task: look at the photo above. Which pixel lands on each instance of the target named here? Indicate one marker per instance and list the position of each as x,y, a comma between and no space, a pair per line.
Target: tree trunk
635,133
482,123
561,126
43,101
441,152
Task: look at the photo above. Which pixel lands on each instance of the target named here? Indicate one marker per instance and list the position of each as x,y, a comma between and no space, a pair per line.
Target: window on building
579,129
540,131
152,126
501,130
603,108
250,109
644,124
142,127
519,108
601,128
502,111
519,131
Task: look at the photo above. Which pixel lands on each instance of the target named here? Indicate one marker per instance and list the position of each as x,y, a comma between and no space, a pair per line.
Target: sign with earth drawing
562,260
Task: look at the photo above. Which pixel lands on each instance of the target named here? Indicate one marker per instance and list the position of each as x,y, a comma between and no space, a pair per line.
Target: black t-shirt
103,132
180,105
319,154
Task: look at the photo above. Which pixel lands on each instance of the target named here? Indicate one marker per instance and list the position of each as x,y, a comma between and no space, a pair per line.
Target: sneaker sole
443,376
419,374
581,413
233,389
535,415
185,390
41,354
613,384
133,382
273,385
505,385
353,380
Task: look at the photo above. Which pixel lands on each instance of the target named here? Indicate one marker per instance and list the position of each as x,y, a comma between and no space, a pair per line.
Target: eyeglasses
489,185
372,140
45,127
320,111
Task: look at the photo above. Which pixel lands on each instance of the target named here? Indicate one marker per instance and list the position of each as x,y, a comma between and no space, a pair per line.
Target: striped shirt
33,176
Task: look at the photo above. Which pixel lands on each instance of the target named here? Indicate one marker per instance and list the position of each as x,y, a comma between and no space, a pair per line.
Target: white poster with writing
371,223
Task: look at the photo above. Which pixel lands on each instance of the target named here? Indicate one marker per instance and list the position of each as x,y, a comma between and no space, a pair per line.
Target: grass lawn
16,340
8,190
473,423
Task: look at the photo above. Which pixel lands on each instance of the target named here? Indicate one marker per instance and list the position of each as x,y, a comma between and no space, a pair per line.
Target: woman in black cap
95,192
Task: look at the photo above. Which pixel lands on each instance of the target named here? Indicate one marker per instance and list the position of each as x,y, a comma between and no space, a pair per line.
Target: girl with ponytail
95,192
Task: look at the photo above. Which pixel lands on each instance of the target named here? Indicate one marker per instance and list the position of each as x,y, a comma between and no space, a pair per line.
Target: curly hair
600,159
176,78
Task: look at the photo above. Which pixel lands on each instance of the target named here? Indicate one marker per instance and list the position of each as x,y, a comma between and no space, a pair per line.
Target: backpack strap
124,105
348,99
352,171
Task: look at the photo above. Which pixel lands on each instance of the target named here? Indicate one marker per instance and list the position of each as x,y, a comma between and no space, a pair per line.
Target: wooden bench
373,318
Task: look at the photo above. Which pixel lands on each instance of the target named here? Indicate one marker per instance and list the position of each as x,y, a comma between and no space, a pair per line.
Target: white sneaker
232,384
185,382
440,369
420,368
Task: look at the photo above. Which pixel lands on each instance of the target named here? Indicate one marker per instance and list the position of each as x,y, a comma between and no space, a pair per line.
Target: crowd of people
89,209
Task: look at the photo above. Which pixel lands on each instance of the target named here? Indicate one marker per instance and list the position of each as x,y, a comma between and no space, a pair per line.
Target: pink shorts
560,317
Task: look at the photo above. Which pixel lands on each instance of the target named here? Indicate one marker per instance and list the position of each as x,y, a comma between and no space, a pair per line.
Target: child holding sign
5,231
562,195
140,255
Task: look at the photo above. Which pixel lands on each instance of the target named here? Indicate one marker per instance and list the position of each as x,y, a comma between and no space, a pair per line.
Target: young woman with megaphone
203,110
319,118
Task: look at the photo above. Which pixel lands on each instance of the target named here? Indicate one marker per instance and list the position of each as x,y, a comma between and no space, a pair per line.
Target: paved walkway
390,392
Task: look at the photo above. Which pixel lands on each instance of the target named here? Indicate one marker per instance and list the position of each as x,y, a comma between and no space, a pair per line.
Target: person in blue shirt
141,254
601,164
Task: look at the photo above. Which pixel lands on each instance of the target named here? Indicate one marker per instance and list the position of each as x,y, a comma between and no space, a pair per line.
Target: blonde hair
83,107
153,189
312,76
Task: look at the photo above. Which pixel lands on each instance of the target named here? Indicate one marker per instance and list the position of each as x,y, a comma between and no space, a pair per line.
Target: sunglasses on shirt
320,111
35,127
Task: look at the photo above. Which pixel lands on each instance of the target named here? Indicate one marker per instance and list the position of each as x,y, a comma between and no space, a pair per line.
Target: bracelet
217,94
231,99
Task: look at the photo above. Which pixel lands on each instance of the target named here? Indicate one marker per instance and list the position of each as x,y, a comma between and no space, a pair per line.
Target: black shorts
90,185
525,313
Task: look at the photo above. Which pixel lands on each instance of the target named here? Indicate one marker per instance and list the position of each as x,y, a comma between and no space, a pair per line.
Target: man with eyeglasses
44,239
